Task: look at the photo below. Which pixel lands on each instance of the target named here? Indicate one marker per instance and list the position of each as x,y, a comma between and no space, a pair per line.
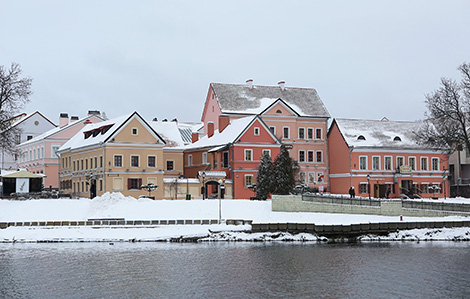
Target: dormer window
361,137
397,138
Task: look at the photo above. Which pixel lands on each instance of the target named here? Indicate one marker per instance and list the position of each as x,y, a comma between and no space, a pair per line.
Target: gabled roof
57,130
230,134
18,119
242,99
379,133
102,132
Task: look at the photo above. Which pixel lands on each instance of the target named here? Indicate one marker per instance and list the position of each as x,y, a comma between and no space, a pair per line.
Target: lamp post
203,175
221,187
368,184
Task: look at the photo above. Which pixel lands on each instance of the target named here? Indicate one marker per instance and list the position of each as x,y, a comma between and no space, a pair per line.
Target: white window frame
298,133
413,167
273,129
313,133
288,133
190,160
391,162
426,168
316,157
148,156
54,154
321,133
256,131
303,177
251,154
301,160
252,180
432,163
319,174
377,158
204,158
138,160
313,156
136,131
266,151
360,165
311,178
114,162
403,159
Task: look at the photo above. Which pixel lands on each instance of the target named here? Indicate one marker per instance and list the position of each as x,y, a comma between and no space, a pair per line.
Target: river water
235,270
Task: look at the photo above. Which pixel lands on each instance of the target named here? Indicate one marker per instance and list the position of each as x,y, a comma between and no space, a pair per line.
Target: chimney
194,137
73,118
87,122
210,129
94,112
224,121
249,83
63,119
282,85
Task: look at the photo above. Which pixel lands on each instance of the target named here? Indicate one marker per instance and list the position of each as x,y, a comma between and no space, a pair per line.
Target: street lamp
149,187
221,189
203,175
368,184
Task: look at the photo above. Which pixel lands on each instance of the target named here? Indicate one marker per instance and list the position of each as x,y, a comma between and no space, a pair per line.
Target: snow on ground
115,205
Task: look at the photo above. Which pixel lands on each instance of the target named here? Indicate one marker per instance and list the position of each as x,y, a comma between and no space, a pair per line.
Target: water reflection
235,270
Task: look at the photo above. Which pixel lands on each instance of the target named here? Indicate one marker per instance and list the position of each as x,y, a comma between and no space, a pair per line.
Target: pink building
39,154
296,116
383,155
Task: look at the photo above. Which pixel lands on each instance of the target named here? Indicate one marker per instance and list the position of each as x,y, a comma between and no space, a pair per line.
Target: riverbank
116,206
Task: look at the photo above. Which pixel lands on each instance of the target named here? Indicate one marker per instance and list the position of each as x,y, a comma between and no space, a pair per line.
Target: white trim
374,169
366,163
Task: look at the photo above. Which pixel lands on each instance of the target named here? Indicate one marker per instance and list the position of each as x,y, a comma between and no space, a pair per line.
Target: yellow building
118,155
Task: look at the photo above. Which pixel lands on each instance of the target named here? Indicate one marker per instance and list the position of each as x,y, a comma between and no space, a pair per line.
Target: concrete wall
320,204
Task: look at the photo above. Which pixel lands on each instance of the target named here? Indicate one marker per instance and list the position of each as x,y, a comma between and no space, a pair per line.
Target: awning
23,174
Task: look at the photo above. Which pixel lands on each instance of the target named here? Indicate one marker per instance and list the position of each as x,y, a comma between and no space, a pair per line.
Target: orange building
381,155
296,116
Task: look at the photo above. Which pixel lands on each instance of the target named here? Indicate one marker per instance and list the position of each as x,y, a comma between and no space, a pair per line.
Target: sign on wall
22,185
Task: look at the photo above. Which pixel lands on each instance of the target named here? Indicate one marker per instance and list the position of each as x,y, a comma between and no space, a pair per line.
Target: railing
435,206
341,200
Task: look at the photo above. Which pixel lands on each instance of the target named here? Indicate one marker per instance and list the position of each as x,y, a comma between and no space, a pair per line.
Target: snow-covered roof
379,133
240,98
56,130
228,135
170,132
18,119
212,174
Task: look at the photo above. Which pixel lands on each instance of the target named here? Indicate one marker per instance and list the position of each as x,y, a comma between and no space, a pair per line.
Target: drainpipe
104,168
233,173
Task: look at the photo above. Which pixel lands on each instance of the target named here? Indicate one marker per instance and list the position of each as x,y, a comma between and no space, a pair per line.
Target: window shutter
140,184
129,184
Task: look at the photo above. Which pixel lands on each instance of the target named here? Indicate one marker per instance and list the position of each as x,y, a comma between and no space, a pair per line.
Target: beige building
118,155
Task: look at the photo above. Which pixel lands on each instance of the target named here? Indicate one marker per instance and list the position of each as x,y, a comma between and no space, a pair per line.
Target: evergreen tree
264,178
285,171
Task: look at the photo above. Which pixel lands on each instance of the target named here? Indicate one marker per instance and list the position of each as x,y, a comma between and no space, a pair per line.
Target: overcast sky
366,59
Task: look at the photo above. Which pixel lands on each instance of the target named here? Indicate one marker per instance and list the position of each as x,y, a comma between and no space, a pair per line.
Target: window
362,188
18,138
134,184
86,163
249,180
134,131
204,158
412,162
285,132
248,155
319,156
302,177
73,165
375,163
169,164
309,133
100,188
96,162
151,161
55,154
318,134
388,163
310,156
397,138
361,137
320,177
29,137
267,152
425,188
363,163
400,161
134,161
81,164
101,161
301,156
435,164
301,133
256,131
311,177
225,159
424,163
117,161
273,129
34,154
190,160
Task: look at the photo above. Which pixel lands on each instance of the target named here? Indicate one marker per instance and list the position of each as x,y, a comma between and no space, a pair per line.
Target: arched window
279,111
361,137
397,138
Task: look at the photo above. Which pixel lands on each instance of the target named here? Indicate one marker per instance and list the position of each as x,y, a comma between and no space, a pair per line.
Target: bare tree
448,116
14,93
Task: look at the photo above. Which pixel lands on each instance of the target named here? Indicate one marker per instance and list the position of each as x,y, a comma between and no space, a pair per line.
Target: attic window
105,129
397,138
279,111
361,137
88,134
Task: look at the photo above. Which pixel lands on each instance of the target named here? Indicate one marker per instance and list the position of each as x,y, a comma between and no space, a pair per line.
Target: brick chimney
210,129
194,137
282,85
94,112
249,83
63,119
224,121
